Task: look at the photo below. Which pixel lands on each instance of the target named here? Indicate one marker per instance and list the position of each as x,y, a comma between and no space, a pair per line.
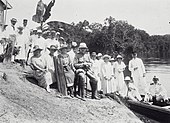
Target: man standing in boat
137,69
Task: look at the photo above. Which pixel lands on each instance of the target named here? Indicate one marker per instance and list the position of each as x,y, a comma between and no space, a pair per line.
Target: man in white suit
137,69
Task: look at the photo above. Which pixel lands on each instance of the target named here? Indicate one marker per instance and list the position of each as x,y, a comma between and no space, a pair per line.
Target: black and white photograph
84,61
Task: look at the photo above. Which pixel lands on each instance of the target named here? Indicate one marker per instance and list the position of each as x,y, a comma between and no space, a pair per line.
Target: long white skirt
108,86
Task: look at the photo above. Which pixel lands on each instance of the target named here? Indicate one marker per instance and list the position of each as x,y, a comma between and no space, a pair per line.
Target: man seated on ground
156,91
132,91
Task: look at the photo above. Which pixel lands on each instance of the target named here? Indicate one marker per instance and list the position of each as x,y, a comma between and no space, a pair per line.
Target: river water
161,70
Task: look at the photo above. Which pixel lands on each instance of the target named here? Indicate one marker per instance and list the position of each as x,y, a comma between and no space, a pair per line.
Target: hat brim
63,48
52,49
83,48
106,57
119,57
37,49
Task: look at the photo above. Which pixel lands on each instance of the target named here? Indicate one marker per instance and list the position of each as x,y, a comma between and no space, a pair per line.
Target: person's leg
93,84
82,84
75,84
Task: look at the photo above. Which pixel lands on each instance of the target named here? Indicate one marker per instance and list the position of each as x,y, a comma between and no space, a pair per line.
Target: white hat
64,46
37,47
61,38
74,44
57,33
99,54
119,56
83,45
127,78
39,31
106,56
112,59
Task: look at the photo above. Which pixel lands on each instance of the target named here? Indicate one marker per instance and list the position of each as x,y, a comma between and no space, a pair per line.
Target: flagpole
5,15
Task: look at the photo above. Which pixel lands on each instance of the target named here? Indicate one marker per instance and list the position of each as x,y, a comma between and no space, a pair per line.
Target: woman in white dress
96,69
107,75
118,69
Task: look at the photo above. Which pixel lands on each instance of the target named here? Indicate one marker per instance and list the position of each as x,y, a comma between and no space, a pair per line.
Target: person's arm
103,71
143,68
163,91
76,64
131,66
35,65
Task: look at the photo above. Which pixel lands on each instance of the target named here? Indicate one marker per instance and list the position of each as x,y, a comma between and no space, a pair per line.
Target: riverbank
25,102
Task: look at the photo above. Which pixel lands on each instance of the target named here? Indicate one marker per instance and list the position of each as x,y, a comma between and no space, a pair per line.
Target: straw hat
52,47
127,78
64,46
106,56
37,47
57,33
112,59
119,57
99,54
39,31
83,46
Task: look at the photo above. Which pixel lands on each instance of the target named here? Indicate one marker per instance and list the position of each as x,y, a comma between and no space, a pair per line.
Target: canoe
154,112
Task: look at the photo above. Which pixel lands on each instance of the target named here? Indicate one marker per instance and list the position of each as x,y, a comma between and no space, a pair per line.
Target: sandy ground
24,102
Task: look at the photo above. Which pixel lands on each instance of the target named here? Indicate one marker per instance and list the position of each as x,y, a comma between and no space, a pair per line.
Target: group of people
70,66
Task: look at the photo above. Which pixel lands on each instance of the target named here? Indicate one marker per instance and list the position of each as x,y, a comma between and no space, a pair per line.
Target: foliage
116,37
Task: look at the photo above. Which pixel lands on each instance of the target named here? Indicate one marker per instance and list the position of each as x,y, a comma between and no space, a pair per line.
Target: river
162,70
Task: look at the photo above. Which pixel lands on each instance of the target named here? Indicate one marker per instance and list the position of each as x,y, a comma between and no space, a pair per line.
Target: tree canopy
116,37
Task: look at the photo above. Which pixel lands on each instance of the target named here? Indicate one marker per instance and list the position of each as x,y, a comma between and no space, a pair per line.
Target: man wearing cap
26,30
156,91
82,63
137,69
11,36
26,33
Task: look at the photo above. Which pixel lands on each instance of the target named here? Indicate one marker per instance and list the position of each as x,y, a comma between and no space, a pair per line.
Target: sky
153,16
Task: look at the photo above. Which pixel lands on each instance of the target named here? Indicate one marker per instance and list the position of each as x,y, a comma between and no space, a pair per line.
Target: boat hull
155,112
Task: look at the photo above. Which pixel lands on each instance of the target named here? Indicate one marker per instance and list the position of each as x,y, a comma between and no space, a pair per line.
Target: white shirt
137,63
41,42
72,55
157,89
10,30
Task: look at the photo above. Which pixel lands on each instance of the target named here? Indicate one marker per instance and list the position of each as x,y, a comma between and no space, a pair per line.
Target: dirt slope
24,102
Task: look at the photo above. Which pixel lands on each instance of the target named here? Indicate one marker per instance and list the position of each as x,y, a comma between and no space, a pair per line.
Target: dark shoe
95,98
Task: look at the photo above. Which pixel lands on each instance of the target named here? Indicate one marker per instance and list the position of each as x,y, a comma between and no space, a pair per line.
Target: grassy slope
24,102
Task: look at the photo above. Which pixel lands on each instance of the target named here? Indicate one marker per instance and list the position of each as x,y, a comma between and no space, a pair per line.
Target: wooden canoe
154,112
